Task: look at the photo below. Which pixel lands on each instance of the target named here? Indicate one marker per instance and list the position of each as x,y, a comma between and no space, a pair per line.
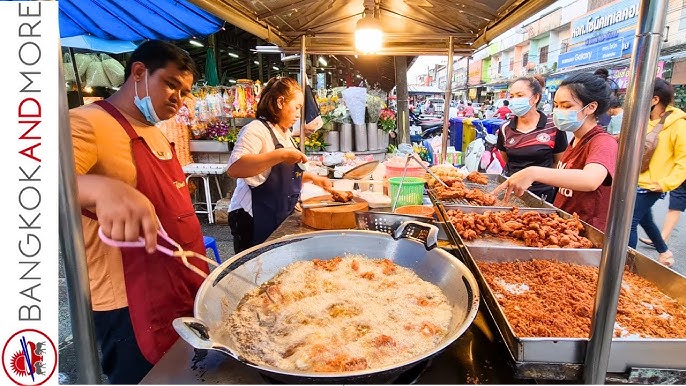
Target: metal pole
76,76
446,104
466,81
303,85
651,20
402,118
73,251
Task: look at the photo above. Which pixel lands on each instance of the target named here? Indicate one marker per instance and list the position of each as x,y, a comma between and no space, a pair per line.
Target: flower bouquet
314,142
374,105
387,120
218,130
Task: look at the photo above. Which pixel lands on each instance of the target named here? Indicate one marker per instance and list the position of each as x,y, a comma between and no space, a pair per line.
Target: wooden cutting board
332,217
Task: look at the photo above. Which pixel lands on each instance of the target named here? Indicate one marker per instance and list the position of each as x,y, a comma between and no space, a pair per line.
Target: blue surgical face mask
520,106
145,104
567,120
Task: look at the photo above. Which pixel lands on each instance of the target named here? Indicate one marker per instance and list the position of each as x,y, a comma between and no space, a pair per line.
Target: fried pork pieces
477,178
535,229
457,190
543,298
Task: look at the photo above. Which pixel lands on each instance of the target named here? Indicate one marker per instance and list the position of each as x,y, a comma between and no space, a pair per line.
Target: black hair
587,88
664,91
277,87
535,84
615,103
603,73
156,54
506,102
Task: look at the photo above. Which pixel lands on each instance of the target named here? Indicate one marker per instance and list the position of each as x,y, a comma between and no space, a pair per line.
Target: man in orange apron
129,183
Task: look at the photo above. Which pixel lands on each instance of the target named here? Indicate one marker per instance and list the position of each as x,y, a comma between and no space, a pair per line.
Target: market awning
418,27
423,90
135,20
93,43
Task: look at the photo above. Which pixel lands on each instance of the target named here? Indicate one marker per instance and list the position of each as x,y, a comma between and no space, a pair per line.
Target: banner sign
610,49
621,75
615,16
29,210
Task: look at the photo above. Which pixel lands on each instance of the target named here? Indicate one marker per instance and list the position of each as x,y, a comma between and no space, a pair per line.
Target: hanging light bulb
368,34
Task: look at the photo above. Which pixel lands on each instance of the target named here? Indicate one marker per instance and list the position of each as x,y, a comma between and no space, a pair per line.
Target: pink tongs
179,252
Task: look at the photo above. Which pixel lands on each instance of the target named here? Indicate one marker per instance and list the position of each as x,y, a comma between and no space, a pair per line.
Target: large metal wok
227,284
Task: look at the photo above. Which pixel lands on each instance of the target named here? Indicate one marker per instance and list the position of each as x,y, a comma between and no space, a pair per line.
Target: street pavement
68,371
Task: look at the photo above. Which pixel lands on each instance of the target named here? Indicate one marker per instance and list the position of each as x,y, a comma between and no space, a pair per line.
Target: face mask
145,104
566,120
520,106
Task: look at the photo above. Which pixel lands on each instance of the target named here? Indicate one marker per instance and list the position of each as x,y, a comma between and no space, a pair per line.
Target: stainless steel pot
413,245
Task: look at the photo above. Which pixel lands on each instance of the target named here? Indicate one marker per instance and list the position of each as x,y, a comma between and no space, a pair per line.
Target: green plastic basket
411,193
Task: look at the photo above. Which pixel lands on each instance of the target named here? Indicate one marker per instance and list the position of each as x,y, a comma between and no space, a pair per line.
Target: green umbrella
211,68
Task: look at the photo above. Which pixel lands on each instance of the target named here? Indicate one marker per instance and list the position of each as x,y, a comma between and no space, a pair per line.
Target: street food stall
484,349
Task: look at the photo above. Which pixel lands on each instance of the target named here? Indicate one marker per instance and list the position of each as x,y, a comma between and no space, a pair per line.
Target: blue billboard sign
611,49
616,16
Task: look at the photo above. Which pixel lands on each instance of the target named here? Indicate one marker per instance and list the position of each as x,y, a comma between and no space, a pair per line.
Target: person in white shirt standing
268,166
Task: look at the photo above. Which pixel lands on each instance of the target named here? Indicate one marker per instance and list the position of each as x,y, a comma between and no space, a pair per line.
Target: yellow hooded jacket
668,165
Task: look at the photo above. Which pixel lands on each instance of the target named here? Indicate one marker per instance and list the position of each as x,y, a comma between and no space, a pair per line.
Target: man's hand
123,212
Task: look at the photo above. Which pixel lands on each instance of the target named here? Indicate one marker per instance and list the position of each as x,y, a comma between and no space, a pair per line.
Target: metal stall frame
651,22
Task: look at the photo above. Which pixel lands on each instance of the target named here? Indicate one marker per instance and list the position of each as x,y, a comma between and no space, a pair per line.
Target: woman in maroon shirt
585,172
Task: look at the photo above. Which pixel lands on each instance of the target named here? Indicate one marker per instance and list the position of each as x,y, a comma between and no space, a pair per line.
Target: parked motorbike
430,127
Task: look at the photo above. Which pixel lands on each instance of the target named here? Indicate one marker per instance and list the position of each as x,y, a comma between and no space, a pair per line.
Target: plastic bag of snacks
113,70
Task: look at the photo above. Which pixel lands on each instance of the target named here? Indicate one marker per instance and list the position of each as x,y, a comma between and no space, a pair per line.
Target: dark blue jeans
643,215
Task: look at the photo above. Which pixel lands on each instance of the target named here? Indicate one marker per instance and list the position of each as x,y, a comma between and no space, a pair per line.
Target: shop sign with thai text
615,16
621,75
610,49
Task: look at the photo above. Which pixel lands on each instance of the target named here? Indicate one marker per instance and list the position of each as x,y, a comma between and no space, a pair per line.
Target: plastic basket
411,192
412,170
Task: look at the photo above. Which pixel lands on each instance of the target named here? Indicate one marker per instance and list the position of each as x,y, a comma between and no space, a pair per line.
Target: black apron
275,198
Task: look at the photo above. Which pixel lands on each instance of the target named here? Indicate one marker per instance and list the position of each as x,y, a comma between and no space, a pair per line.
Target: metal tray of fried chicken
528,200
509,240
562,358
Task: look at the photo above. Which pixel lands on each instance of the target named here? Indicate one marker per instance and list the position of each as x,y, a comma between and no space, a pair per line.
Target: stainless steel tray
562,358
527,200
490,243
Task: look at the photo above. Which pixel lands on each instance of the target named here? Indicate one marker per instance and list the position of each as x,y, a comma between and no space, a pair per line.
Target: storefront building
571,39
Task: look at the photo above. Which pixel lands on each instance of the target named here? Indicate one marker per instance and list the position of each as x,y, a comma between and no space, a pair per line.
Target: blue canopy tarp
135,20
94,43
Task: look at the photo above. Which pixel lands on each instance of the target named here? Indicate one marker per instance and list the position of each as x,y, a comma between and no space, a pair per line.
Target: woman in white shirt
268,167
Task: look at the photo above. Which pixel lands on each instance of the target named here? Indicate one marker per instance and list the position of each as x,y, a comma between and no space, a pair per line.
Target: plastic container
456,132
492,125
416,210
468,132
412,170
411,192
